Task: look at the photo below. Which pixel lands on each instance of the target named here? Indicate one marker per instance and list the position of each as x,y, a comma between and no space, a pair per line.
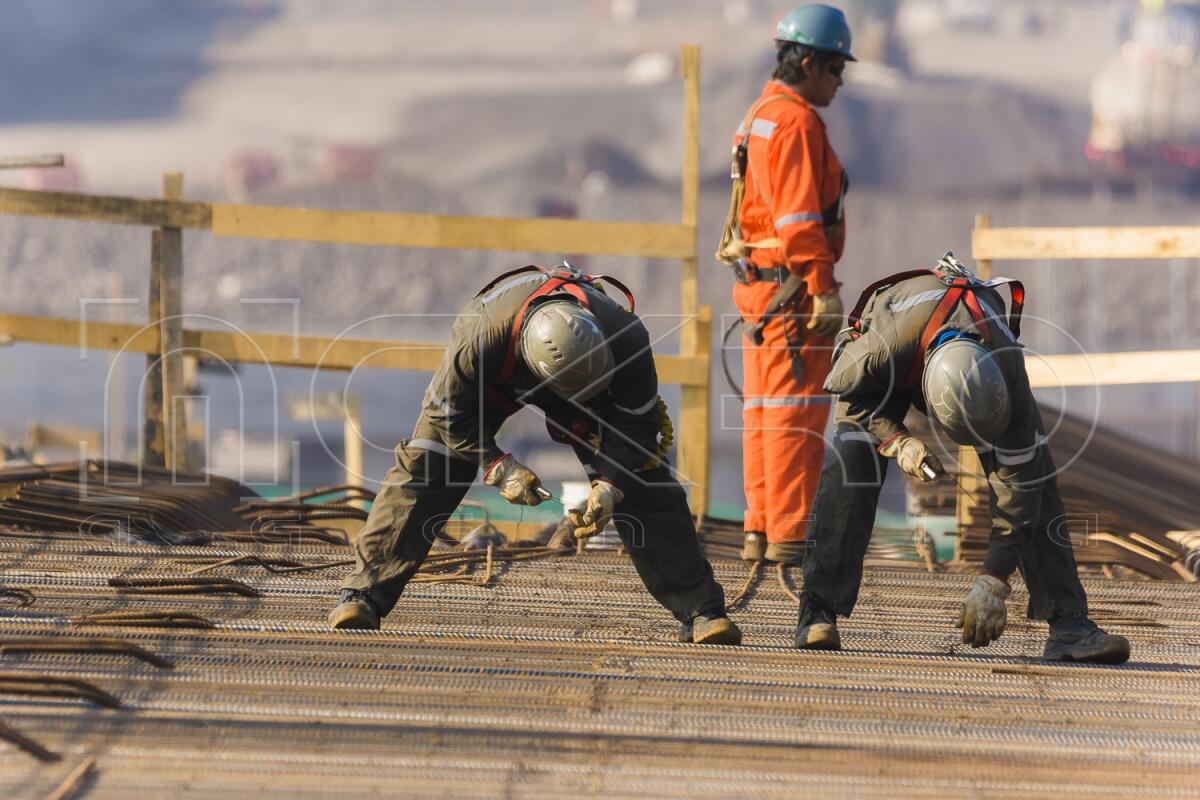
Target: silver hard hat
966,393
562,344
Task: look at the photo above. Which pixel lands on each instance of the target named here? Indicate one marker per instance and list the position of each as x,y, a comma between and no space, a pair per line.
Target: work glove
827,314
517,483
598,511
913,457
983,615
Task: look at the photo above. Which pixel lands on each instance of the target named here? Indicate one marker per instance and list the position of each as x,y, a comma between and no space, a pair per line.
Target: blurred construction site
1034,113
957,108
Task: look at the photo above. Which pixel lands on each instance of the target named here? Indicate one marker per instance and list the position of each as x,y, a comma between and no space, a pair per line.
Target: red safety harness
566,278
961,289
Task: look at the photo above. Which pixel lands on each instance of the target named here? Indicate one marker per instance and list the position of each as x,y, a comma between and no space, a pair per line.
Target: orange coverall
794,191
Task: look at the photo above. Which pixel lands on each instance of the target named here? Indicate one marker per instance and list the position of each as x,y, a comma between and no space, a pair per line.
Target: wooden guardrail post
153,449
696,334
165,426
171,327
970,468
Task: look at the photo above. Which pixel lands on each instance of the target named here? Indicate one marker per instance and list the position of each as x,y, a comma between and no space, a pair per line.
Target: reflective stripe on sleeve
762,128
917,299
787,402
803,216
437,402
1018,457
640,409
504,287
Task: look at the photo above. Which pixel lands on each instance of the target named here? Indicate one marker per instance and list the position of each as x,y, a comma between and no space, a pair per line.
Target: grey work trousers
424,488
844,516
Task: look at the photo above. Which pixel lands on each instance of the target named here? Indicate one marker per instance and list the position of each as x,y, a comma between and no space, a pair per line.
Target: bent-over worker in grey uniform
554,340
938,341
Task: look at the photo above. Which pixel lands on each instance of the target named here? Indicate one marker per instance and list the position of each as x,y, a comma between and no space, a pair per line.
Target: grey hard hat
563,345
966,393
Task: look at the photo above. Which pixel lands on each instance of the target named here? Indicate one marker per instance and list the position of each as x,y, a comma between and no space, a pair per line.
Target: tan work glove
517,483
983,615
596,515
913,457
827,314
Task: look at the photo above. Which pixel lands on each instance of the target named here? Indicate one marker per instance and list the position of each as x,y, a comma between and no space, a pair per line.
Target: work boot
817,627
355,611
710,628
1077,638
787,552
754,546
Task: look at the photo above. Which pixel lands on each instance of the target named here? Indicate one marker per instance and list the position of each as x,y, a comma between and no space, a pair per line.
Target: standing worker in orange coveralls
783,236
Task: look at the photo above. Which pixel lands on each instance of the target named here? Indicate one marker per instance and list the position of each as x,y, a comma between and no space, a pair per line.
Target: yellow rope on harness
732,248
666,438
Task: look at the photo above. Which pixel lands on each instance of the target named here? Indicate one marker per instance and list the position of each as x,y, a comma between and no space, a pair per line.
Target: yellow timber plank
1108,369
103,208
83,335
1158,366
648,240
1071,243
279,349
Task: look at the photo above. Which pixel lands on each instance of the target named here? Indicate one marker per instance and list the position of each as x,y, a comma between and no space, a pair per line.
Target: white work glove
983,615
912,455
827,314
517,483
601,501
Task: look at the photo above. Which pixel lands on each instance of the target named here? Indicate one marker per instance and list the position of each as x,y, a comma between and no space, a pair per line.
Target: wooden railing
165,341
990,244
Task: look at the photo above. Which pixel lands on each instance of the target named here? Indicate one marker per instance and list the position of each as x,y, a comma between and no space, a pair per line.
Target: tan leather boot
787,552
754,546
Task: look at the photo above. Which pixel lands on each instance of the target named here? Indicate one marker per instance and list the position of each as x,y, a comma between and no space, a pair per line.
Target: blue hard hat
818,26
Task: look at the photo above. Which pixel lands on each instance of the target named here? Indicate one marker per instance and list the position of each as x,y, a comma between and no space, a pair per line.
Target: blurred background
1037,112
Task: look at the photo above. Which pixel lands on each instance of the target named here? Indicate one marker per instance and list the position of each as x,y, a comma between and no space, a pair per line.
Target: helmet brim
846,54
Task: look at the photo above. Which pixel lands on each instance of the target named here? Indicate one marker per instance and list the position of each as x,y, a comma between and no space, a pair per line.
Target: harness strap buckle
744,272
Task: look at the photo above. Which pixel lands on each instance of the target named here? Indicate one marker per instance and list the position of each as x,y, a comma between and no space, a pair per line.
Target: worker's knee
418,469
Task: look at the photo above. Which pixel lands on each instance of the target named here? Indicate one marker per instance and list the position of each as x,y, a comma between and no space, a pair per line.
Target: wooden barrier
1094,369
1025,244
276,349
164,339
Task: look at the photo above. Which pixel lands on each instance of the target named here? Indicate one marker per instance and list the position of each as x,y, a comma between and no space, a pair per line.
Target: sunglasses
836,70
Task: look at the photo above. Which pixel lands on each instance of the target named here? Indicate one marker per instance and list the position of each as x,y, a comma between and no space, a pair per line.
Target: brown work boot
787,552
817,626
754,546
355,611
710,629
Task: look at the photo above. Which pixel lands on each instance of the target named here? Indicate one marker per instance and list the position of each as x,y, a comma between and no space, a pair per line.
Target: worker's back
793,178
894,321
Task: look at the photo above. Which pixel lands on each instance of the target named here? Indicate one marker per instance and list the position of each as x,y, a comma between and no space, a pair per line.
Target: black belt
748,273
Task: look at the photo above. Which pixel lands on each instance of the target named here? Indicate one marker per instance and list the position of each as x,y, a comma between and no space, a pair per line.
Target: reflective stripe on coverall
794,187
